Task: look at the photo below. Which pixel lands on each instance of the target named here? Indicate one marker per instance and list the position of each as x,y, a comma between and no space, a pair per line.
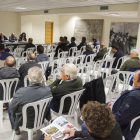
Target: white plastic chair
51,56
79,60
70,60
21,61
17,52
72,50
83,49
21,46
109,51
96,48
77,53
90,57
32,49
62,54
39,108
120,59
25,53
56,72
72,111
7,86
10,48
44,65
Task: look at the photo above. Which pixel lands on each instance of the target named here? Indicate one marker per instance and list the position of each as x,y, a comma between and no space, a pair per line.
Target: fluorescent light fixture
114,14
21,8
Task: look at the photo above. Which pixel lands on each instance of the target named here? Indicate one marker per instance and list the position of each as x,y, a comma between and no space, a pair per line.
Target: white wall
9,23
34,26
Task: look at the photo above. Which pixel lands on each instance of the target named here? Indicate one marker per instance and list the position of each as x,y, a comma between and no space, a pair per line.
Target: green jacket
100,54
130,63
66,87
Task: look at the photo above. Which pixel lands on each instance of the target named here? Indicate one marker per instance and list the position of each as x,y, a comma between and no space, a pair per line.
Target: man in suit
67,83
83,43
62,46
101,53
34,92
23,70
126,107
30,44
13,38
3,38
73,44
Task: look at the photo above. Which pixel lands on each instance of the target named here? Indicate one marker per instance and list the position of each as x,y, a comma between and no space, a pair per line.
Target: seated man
100,122
41,57
30,44
101,53
23,70
73,44
67,83
66,41
118,54
13,38
62,46
34,92
96,42
126,108
83,43
3,38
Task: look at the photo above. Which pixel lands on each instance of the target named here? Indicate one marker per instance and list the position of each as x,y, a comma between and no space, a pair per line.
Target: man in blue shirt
96,42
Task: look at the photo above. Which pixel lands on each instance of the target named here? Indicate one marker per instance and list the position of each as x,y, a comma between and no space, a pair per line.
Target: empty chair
79,60
21,61
96,48
76,53
39,109
17,52
72,50
32,49
51,56
89,58
83,49
25,53
10,48
56,73
62,54
70,60
44,65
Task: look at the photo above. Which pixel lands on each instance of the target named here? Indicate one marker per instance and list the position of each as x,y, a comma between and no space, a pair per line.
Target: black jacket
85,135
25,95
20,38
8,73
29,45
5,38
94,91
23,70
73,44
81,45
63,47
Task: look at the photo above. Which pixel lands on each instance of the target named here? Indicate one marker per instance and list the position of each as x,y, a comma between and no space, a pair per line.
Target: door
49,32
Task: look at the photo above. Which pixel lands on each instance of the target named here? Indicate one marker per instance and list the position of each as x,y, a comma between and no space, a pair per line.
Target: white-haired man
67,83
34,92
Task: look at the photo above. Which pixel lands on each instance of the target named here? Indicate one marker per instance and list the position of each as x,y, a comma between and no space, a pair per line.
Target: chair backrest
10,48
63,54
32,49
21,46
77,53
121,59
72,50
96,48
109,51
39,109
25,53
21,61
74,101
7,85
69,60
44,65
105,55
17,52
79,59
56,72
83,49
89,58
51,56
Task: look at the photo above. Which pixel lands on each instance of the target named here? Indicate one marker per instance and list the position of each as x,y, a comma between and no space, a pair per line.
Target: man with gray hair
67,83
23,70
34,92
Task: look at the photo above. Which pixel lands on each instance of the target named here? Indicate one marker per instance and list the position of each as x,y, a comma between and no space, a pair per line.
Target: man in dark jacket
30,44
23,70
126,108
83,43
8,72
67,83
41,57
73,44
34,92
66,41
96,42
62,46
3,38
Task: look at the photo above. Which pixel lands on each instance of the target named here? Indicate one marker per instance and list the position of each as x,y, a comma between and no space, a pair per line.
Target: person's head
62,40
35,75
31,56
102,45
30,40
23,34
2,48
65,38
136,79
69,72
98,119
2,34
40,49
94,40
9,61
13,34
83,39
89,48
72,39
115,48
134,53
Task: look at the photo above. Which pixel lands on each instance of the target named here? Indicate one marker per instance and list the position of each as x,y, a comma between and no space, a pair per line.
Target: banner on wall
124,34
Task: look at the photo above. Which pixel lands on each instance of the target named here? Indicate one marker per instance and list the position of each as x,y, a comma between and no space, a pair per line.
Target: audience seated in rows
96,42
101,53
23,70
67,83
62,46
41,57
118,54
100,123
60,40
83,43
66,41
13,38
34,92
22,37
30,44
3,38
73,44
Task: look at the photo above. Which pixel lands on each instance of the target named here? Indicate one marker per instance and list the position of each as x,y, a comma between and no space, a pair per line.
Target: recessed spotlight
114,14
21,8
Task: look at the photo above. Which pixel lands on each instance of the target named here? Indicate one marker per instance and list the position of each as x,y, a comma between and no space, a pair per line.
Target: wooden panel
49,32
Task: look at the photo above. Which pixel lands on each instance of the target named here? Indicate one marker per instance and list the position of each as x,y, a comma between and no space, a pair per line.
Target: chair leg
1,113
30,134
76,119
13,135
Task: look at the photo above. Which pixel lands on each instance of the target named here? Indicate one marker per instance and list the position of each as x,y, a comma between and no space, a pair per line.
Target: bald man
23,70
8,72
127,107
3,38
30,44
13,38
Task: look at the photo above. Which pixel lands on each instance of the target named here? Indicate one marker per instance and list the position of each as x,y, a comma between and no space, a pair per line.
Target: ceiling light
115,15
21,8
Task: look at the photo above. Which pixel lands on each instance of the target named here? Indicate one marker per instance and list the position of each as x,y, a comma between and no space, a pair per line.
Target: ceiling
31,5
